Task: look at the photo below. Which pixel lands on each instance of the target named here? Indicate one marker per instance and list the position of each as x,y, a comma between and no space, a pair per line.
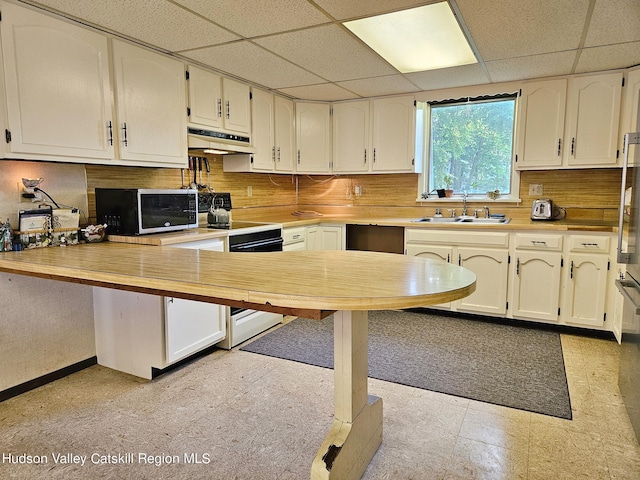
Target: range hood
210,141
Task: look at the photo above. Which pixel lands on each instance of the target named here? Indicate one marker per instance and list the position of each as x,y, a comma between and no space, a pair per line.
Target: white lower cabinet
536,285
137,333
326,237
484,253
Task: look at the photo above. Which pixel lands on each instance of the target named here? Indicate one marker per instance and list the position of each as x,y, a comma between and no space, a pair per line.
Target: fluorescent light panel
418,39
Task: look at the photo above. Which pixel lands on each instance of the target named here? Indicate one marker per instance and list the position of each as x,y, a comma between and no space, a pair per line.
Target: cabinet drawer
294,235
450,237
526,241
589,243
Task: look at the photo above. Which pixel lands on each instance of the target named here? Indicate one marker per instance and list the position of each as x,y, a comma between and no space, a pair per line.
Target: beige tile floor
248,416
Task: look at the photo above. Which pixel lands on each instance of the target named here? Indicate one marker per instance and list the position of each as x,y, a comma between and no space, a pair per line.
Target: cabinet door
536,285
325,237
586,290
393,134
313,135
57,86
593,115
151,106
491,268
351,137
205,98
237,106
263,131
191,326
541,124
629,110
284,134
432,252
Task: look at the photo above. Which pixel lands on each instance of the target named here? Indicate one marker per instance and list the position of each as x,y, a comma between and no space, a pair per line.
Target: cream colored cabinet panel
236,106
313,137
191,326
432,252
326,237
351,137
57,86
394,134
284,134
629,110
536,285
593,115
295,238
263,131
585,290
492,269
541,124
151,106
205,98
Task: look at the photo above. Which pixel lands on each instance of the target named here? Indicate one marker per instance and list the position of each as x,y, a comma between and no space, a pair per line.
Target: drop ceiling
299,48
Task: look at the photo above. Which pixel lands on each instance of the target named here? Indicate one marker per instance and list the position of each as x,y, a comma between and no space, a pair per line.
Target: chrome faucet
464,204
486,212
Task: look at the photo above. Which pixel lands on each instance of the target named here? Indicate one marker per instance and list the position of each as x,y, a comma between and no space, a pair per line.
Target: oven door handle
249,245
624,286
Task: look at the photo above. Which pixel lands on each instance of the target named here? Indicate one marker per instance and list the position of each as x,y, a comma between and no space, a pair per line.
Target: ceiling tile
341,10
609,57
516,28
378,86
154,22
326,92
328,51
533,66
250,18
253,63
450,77
614,21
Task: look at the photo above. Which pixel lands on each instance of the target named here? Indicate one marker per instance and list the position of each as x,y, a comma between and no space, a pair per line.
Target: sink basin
492,220
437,219
484,220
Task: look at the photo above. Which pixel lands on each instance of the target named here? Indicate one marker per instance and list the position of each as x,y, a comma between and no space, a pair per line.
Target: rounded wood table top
285,282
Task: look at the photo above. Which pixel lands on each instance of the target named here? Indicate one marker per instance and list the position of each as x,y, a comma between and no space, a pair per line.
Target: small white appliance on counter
542,209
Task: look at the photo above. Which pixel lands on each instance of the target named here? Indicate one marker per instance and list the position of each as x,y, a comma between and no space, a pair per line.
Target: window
468,145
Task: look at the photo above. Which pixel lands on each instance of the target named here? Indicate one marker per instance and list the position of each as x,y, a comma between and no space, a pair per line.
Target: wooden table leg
356,432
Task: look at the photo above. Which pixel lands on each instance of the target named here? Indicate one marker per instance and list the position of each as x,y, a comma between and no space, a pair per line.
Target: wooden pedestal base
356,432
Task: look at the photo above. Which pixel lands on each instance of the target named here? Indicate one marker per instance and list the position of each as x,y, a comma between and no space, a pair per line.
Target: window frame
423,145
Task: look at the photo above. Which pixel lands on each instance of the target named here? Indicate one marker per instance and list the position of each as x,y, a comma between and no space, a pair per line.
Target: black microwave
137,211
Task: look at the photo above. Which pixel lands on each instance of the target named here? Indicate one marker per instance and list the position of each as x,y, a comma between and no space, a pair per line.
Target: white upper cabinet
593,116
284,134
313,137
394,121
352,151
218,102
57,86
541,123
263,131
151,106
570,124
629,121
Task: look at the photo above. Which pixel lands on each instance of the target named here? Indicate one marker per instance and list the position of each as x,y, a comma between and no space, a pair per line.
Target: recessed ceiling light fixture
423,38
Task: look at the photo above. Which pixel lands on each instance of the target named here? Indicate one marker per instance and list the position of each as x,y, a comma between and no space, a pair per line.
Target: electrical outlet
249,191
535,189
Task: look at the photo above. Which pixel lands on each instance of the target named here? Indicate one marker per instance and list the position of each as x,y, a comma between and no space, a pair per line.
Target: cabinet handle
298,157
110,130
170,300
295,237
573,145
124,134
374,155
571,270
273,154
278,154
459,260
365,156
589,244
219,108
228,109
448,258
539,243
517,266
559,146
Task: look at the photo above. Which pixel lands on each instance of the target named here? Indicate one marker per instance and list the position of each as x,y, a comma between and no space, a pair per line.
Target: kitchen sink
437,219
489,221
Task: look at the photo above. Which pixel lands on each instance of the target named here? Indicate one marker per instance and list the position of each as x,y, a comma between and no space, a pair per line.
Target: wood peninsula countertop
304,283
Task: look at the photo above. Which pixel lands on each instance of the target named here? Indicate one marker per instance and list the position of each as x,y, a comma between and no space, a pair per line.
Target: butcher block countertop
303,283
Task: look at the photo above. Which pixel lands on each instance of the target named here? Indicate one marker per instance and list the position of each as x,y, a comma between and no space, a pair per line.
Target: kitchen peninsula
348,283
